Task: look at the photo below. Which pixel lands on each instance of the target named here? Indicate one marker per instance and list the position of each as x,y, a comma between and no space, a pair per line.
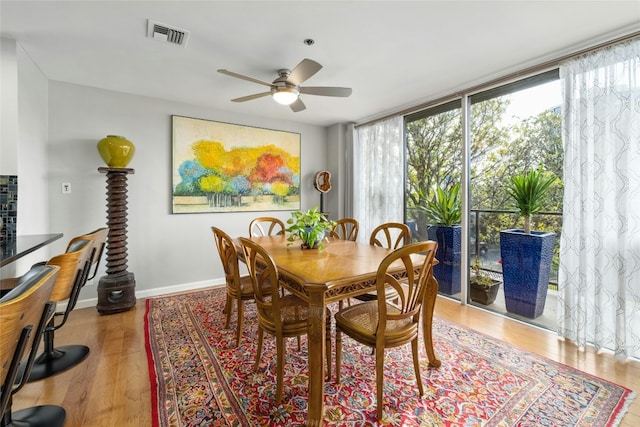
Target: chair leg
298,337
227,302
240,321
338,354
416,365
279,367
227,311
328,350
379,382
259,349
341,303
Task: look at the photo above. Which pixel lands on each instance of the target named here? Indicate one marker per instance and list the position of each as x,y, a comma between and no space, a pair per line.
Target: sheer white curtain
599,276
378,175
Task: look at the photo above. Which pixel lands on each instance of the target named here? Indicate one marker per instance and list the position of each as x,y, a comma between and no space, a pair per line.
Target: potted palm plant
527,255
309,227
443,212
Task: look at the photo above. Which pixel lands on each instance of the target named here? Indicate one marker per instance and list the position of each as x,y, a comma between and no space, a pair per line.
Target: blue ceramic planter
449,254
305,237
526,264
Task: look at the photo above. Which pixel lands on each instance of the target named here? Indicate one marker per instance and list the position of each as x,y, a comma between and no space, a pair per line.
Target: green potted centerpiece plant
444,212
309,227
527,255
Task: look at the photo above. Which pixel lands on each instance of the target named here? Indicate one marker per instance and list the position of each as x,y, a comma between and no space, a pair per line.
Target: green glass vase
116,151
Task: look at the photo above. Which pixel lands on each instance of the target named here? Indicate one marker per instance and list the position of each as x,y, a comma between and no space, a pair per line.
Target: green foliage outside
498,151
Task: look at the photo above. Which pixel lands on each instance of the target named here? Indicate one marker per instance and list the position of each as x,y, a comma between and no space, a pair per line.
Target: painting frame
226,167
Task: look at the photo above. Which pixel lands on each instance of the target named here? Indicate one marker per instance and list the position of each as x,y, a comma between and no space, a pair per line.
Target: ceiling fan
286,88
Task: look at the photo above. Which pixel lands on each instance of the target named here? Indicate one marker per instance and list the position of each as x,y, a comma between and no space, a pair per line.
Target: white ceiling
393,54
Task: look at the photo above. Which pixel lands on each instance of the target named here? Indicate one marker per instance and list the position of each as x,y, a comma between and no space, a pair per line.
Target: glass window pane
520,131
434,160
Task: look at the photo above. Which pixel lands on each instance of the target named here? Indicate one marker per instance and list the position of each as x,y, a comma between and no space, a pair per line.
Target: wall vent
167,33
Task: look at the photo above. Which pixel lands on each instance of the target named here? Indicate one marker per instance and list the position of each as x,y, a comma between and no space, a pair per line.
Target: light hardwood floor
111,387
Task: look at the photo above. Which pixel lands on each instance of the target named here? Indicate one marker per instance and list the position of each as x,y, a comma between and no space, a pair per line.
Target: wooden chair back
24,312
98,240
264,276
266,226
346,229
72,264
390,235
229,258
410,290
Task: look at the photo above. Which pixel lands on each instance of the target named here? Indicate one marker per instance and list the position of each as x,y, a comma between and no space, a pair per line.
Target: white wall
33,173
23,146
9,107
166,252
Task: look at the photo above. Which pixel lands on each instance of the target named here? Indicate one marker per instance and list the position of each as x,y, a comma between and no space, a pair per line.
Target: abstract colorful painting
223,167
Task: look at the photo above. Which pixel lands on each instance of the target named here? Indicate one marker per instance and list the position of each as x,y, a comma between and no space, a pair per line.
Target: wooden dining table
342,269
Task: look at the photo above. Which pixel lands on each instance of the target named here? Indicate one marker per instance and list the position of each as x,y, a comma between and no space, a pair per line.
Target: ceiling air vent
166,33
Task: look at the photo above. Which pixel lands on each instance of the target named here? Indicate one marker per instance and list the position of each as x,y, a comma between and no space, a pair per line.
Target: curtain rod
504,79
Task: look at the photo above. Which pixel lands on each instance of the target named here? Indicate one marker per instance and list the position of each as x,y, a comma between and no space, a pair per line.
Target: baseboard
146,293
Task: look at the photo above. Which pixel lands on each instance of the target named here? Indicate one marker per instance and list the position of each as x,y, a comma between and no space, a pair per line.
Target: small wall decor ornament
322,183
116,151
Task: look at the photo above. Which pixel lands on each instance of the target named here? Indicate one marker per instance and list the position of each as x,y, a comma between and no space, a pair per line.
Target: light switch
66,188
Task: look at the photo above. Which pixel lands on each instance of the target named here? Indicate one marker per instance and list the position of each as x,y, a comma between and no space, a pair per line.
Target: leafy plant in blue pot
309,227
527,255
444,211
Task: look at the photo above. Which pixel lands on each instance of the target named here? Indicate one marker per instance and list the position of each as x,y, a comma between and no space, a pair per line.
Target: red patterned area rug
199,378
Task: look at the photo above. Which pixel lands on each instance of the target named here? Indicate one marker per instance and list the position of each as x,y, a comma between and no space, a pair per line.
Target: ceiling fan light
285,96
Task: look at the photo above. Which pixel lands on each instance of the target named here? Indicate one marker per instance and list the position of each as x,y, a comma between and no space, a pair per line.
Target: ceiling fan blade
326,91
243,77
305,69
250,97
298,105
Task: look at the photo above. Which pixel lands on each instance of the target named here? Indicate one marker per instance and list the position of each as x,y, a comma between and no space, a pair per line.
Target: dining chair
390,235
279,315
266,226
74,268
382,324
24,313
239,287
98,240
346,229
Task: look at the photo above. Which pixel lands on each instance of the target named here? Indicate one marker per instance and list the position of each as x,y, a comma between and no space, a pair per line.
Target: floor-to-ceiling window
513,128
476,140
525,135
